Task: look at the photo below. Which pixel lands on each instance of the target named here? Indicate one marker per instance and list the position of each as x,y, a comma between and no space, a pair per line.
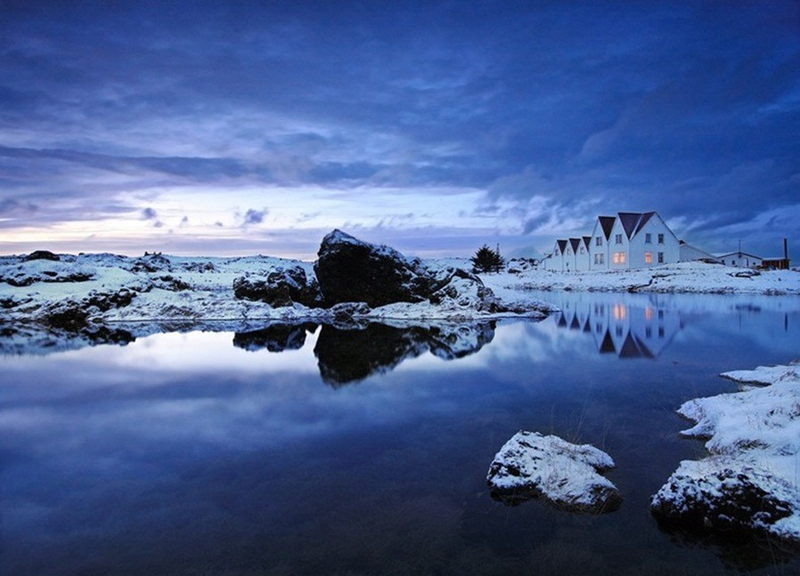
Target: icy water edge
312,450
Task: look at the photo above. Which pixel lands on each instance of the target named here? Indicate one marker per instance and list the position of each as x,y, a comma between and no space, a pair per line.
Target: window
660,257
599,259
660,331
598,241
557,252
583,250
619,258
648,332
648,238
648,257
618,238
660,238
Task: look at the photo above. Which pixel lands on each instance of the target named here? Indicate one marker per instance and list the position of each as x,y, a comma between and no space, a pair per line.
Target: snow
531,465
690,277
753,438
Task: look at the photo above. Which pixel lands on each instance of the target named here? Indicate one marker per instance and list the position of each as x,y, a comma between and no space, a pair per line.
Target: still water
316,450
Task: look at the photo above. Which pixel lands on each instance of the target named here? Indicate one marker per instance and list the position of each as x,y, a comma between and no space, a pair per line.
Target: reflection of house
629,331
627,240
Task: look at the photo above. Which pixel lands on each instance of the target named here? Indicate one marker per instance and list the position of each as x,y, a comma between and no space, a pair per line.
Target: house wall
598,254
669,248
741,260
618,248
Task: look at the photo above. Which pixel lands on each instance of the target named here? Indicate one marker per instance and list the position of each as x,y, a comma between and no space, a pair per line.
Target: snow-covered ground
751,479
685,277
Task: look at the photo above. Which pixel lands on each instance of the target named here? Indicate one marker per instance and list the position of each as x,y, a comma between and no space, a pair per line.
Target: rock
721,495
282,287
530,466
42,255
349,270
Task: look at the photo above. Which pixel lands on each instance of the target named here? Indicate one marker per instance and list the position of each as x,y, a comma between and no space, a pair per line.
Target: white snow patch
531,465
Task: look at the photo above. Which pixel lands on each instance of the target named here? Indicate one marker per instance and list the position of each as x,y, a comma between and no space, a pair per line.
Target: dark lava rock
727,501
349,270
282,287
42,255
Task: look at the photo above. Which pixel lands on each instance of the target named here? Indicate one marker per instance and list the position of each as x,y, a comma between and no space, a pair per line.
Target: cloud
149,214
252,216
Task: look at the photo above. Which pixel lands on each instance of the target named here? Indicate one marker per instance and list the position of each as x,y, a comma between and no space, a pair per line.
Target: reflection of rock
282,287
275,338
530,465
350,355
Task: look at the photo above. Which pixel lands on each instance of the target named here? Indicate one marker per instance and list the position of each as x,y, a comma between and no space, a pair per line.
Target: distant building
691,253
625,241
741,260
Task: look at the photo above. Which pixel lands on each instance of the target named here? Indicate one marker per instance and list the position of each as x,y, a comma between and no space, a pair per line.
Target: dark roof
629,222
576,243
587,240
607,224
643,220
561,244
633,222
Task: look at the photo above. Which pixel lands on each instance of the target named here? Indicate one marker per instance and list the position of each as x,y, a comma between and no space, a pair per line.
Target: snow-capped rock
282,287
749,483
531,465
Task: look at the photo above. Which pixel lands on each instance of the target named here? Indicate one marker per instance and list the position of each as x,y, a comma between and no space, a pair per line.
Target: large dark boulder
349,270
282,287
42,255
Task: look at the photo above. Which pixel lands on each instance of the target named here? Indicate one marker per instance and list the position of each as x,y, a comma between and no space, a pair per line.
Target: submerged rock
531,466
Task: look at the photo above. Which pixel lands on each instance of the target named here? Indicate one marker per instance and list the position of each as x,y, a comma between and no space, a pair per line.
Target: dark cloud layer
557,110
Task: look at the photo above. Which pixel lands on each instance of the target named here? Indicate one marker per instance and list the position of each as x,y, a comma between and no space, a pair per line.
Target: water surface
316,450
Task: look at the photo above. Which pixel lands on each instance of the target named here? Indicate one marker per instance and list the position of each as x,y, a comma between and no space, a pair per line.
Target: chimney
786,250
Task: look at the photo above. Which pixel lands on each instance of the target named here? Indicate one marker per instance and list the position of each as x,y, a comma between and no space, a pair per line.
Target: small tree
487,260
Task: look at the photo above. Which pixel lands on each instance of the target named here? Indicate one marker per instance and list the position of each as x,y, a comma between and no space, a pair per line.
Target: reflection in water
353,354
629,330
275,338
181,454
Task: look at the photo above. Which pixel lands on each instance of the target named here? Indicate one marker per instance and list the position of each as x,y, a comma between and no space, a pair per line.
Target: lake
320,450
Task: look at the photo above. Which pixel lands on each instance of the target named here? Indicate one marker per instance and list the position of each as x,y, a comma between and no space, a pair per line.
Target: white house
627,240
741,260
690,253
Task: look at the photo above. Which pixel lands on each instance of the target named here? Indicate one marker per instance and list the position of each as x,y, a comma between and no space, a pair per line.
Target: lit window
648,313
619,311
648,238
619,258
648,257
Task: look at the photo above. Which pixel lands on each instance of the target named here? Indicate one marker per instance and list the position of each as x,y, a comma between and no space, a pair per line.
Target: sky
238,128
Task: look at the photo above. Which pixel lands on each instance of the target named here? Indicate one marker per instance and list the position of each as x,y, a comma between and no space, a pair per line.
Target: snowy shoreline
750,481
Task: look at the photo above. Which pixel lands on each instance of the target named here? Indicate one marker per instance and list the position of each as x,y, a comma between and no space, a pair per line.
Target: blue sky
243,128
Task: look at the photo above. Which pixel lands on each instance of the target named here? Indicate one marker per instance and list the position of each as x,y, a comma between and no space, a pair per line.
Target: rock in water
349,270
530,466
